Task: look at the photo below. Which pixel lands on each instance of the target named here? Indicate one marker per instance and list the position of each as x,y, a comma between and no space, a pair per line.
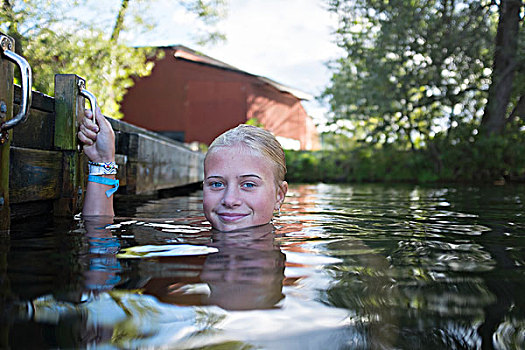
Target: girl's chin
239,227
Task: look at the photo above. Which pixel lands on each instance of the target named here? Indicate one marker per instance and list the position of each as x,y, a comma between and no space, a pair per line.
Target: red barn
192,97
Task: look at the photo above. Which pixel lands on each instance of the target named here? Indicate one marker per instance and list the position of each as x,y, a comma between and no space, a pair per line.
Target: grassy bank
445,160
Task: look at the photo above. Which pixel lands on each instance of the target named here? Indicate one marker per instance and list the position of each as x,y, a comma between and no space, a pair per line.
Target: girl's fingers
84,139
88,124
100,135
103,123
88,121
88,133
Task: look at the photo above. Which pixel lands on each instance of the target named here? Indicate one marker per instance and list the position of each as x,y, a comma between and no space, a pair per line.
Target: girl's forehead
235,157
237,150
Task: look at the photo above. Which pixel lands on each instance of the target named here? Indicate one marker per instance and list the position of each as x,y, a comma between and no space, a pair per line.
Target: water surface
342,267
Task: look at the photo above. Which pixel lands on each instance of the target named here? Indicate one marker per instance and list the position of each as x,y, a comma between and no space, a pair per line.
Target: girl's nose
231,197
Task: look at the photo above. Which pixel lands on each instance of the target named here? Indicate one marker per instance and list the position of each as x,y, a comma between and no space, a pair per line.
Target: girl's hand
98,140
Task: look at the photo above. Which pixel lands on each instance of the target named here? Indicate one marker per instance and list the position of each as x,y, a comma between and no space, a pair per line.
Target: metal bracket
6,47
92,99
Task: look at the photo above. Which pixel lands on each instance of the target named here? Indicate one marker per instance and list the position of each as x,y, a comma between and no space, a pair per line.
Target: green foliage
107,67
467,156
411,67
410,93
254,122
462,157
56,41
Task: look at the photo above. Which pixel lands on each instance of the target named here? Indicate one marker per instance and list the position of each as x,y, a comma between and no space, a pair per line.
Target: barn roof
185,53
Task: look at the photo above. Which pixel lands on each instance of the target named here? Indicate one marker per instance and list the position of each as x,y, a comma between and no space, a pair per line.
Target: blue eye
248,185
216,184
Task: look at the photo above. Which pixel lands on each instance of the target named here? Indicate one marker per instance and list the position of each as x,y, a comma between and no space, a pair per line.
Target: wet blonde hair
256,139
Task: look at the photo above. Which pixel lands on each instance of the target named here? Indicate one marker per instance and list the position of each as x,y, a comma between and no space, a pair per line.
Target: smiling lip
231,217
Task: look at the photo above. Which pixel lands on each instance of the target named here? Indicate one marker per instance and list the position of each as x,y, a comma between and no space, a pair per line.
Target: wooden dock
43,170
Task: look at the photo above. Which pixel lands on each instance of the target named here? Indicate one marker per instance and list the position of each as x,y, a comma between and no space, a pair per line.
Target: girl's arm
99,147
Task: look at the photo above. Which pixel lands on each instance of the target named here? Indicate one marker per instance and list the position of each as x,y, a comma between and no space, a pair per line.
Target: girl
244,172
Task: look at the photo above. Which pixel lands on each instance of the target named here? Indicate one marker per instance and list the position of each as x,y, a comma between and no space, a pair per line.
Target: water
344,267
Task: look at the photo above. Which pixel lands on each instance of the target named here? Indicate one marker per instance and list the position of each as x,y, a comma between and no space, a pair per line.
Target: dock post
69,109
6,113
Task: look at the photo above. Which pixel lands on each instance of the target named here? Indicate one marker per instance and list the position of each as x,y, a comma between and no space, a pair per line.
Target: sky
289,41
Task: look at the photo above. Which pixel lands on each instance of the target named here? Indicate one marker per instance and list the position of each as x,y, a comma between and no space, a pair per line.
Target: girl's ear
281,194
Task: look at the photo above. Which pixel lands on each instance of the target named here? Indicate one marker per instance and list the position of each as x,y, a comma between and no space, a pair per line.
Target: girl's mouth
231,217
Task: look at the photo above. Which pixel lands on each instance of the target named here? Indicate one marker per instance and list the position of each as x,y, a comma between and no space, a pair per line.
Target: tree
412,68
507,61
53,40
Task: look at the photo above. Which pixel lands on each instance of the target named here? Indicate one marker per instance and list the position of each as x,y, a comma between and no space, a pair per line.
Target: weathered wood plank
6,113
170,165
73,184
125,128
69,106
37,132
127,143
35,175
69,109
122,162
155,164
40,101
20,211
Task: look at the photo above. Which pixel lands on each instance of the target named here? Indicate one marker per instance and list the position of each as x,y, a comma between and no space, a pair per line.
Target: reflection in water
452,277
245,274
366,266
244,271
120,318
103,267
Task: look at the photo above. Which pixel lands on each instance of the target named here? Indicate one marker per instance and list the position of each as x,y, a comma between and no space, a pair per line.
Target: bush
456,157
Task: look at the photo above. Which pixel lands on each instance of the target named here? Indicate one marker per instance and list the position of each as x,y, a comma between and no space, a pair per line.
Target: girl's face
239,189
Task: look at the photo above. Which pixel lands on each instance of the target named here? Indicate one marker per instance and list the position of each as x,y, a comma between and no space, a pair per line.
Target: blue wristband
105,181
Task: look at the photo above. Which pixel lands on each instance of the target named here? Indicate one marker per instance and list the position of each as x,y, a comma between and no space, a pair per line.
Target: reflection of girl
244,173
103,265
246,273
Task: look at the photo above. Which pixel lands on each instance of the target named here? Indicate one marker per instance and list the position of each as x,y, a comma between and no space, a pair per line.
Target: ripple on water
352,266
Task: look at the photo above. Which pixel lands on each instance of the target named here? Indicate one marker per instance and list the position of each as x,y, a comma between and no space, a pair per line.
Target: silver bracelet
108,168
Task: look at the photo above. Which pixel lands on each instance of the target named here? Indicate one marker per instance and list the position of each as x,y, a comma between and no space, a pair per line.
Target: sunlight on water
360,266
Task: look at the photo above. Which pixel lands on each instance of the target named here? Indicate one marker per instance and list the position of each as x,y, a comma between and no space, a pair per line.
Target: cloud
264,33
